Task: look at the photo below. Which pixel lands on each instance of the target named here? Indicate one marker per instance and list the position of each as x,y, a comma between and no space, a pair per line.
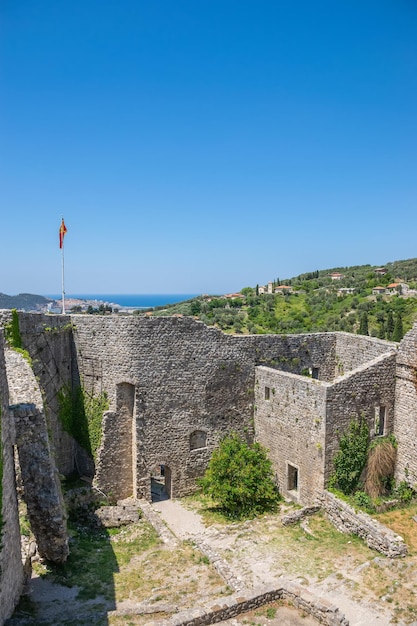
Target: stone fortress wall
405,419
11,567
176,387
300,418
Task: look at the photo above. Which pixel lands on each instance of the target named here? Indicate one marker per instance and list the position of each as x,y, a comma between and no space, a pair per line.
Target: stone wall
290,421
231,606
41,486
347,520
359,394
11,567
405,421
353,351
187,377
48,339
183,377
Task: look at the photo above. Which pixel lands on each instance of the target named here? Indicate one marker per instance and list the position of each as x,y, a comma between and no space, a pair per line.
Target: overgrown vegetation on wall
81,415
13,337
350,459
364,469
239,478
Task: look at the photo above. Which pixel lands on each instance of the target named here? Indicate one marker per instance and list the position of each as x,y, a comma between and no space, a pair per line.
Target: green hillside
23,302
317,303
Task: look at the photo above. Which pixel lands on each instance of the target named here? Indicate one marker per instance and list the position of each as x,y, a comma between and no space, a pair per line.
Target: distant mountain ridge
23,301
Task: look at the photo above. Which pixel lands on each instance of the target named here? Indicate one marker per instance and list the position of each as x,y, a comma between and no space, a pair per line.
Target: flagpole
63,284
61,241
62,232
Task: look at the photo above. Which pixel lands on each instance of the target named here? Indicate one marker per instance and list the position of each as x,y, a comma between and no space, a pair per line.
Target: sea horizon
138,300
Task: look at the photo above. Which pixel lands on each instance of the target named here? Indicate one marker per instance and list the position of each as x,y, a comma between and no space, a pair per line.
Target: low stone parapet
231,606
348,521
298,514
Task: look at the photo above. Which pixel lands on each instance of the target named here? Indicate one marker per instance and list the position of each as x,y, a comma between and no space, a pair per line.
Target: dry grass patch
312,555
401,521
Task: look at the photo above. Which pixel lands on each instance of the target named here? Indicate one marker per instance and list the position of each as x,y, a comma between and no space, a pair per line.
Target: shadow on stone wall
81,591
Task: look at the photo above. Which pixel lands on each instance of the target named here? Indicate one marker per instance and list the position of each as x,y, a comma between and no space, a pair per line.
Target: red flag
62,232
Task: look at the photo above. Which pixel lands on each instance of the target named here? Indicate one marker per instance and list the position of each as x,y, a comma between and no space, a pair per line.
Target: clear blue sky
204,145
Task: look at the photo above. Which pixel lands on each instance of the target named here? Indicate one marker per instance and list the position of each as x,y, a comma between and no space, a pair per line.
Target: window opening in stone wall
267,393
315,373
292,478
198,439
379,421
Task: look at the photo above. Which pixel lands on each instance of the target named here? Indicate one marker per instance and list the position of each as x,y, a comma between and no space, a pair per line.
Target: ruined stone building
174,388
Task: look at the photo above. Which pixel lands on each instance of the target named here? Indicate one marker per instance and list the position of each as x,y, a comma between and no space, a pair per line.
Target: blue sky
200,146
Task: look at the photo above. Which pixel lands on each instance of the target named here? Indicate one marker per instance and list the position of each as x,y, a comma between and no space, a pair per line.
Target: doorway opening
161,483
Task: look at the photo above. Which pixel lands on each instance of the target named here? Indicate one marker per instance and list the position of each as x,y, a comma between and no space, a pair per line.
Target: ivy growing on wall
81,415
12,331
13,336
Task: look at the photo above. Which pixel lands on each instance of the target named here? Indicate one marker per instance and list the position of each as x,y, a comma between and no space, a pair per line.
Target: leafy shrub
362,500
404,492
239,478
350,459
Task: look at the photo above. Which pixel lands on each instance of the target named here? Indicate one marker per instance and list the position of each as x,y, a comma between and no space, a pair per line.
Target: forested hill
23,301
379,301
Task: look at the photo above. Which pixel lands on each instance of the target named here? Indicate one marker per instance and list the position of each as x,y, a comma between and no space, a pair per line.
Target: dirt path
255,569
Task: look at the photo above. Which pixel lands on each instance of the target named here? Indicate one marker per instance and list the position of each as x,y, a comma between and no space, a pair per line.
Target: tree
239,478
398,333
195,307
390,325
363,324
351,457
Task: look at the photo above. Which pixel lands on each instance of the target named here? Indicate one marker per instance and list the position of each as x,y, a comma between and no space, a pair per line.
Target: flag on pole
62,232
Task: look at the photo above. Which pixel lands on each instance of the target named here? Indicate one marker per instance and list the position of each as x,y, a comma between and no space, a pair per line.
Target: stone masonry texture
176,387
11,567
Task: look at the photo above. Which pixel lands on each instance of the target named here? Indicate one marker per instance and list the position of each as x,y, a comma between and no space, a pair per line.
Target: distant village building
381,271
261,290
336,276
283,289
379,291
400,288
270,287
342,291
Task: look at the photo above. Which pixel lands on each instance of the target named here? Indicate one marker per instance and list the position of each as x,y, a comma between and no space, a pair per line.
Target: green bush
351,457
12,331
362,500
239,479
404,492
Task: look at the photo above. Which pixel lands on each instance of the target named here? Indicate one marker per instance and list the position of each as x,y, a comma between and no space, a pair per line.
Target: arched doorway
161,483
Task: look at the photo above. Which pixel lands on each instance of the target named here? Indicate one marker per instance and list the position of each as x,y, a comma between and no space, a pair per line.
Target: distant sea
137,300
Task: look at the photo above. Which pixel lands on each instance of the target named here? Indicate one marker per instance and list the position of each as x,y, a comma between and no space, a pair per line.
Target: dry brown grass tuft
380,467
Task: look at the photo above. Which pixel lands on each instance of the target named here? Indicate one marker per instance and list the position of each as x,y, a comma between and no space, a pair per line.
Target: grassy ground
129,566
325,559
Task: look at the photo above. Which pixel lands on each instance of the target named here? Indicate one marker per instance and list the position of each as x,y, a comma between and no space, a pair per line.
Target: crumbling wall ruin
11,567
40,482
